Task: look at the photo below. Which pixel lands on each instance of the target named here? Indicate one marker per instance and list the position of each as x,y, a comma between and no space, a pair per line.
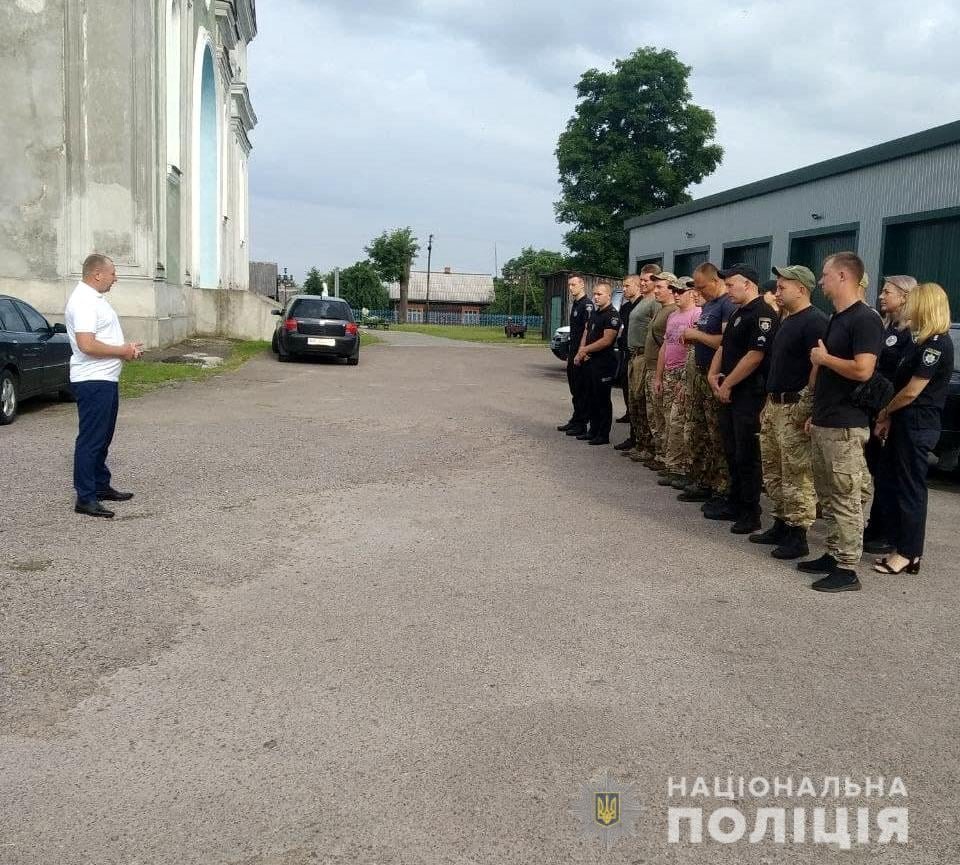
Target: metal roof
447,287
930,139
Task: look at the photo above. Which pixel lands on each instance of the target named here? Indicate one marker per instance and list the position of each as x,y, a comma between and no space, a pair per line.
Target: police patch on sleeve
891,340
930,356
766,324
614,322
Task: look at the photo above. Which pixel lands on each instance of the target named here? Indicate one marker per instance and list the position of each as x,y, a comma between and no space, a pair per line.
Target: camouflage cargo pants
638,405
708,466
655,420
787,466
677,455
840,477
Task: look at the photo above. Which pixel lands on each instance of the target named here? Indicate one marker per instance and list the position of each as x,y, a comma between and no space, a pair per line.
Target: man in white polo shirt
98,355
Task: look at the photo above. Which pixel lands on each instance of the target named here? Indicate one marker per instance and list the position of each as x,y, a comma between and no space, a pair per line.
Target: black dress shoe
585,436
625,445
598,441
745,524
112,495
92,509
568,425
576,430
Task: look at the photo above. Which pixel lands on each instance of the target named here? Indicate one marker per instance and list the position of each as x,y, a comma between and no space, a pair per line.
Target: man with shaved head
98,354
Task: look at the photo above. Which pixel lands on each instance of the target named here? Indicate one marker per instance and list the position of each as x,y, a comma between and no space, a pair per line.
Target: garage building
896,204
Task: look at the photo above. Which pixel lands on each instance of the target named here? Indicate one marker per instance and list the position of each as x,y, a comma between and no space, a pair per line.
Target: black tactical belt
788,398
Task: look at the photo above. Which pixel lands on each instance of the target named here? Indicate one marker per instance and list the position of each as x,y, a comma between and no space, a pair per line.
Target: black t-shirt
895,341
751,328
580,314
856,330
790,355
601,320
625,309
932,360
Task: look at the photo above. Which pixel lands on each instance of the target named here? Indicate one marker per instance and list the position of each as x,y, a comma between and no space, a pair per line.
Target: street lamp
426,306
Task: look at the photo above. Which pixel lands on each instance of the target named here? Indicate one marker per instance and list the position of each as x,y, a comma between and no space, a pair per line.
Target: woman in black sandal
910,424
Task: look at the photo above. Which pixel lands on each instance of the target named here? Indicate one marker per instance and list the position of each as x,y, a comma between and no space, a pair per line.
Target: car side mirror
59,328
276,312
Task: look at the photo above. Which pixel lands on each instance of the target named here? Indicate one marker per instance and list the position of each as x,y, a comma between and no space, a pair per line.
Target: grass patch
367,338
493,335
142,376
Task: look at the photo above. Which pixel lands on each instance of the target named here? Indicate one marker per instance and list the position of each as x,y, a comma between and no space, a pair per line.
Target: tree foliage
361,287
635,144
313,284
523,274
392,253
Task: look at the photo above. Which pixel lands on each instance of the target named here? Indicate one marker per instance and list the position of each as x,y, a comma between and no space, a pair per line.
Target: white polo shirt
89,311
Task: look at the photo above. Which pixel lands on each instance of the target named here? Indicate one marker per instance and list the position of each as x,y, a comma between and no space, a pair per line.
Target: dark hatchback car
34,356
317,326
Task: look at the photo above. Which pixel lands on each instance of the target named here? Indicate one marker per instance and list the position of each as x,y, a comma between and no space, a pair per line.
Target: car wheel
353,361
275,345
8,397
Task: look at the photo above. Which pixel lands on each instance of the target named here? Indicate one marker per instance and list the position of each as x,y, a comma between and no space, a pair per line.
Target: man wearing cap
598,355
663,293
839,427
640,317
736,377
708,477
784,444
670,380
578,377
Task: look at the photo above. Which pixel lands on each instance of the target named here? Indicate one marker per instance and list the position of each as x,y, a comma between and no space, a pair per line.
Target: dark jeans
902,476
603,374
97,405
739,424
880,524
578,380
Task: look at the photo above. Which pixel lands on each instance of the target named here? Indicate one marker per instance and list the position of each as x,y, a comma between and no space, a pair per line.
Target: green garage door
928,250
685,263
811,252
651,259
757,255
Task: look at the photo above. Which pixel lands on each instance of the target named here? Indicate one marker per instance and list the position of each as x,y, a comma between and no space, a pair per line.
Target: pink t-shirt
675,354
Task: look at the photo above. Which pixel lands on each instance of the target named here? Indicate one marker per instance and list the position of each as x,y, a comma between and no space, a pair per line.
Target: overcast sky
444,114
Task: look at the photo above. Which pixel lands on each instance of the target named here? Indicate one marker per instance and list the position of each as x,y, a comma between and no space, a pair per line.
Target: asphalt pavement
387,614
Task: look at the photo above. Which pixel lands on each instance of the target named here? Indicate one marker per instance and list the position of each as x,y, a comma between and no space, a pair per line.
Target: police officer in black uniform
736,377
578,376
598,355
910,424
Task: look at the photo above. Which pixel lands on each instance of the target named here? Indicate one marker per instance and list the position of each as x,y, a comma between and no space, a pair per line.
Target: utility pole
426,307
336,282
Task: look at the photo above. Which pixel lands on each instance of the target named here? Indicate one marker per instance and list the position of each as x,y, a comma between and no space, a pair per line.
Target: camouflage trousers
708,466
677,454
787,467
637,405
655,420
841,480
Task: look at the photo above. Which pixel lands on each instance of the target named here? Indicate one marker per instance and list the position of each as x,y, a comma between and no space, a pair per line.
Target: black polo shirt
601,320
856,330
580,314
790,362
931,360
896,340
751,328
625,309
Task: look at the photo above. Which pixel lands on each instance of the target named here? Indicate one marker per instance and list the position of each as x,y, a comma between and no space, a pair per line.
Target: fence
474,319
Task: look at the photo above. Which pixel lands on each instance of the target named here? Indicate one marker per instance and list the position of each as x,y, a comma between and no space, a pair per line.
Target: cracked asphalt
387,614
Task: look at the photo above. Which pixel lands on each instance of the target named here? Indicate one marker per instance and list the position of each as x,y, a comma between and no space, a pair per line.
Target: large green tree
392,253
313,284
634,144
361,287
522,276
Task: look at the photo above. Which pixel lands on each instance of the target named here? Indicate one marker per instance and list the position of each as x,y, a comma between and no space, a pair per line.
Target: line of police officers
775,396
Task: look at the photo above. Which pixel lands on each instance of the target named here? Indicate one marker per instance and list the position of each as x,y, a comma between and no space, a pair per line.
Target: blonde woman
910,424
896,337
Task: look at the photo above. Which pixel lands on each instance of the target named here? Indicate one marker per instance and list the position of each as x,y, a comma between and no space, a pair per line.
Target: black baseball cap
744,270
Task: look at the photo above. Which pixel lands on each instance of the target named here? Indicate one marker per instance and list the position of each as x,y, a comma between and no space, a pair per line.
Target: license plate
320,340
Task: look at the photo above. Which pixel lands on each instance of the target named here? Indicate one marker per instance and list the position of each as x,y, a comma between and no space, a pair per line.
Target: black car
947,450
312,325
34,356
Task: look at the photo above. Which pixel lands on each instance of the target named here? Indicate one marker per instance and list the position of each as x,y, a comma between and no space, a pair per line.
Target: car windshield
955,336
322,308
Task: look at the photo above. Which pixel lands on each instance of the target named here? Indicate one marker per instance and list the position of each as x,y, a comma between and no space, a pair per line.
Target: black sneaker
566,426
724,511
793,545
776,534
694,493
838,580
826,564
585,436
625,445
746,524
680,482
713,502
598,440
576,430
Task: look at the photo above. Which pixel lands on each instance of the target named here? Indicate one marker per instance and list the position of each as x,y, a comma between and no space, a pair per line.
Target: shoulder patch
931,356
765,324
736,321
892,340
614,321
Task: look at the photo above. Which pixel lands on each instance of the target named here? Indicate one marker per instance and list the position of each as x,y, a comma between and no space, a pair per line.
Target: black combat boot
793,545
776,534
